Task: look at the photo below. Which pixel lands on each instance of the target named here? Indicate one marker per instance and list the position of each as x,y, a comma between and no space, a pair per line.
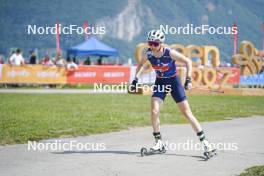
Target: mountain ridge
127,22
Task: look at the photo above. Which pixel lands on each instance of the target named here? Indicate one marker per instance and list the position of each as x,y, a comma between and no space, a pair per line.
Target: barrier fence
257,79
201,76
99,74
38,74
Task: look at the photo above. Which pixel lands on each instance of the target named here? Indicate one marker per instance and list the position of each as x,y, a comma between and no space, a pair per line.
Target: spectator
46,61
71,65
2,60
99,61
33,57
60,62
8,60
76,60
17,58
87,61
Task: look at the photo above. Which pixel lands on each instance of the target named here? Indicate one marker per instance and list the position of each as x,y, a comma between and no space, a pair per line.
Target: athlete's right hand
188,83
134,84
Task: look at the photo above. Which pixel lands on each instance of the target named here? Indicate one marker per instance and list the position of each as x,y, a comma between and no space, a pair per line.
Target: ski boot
209,150
158,148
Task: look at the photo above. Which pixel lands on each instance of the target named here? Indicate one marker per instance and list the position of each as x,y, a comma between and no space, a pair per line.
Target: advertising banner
99,74
37,74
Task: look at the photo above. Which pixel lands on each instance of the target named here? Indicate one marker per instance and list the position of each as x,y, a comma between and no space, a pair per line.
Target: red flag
85,28
262,53
235,40
58,38
263,42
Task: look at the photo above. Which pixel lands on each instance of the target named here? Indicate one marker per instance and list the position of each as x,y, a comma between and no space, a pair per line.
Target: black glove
134,84
188,83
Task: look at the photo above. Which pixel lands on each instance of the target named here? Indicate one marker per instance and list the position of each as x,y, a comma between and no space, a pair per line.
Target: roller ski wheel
210,154
145,152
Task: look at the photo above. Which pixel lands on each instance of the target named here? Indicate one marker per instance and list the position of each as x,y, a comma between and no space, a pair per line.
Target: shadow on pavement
94,152
127,153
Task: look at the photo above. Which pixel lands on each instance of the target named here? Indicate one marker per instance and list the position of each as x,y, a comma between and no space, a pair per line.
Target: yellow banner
37,74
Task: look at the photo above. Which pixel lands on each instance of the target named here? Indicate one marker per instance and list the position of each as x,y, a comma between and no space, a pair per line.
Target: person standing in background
33,57
60,61
46,61
17,58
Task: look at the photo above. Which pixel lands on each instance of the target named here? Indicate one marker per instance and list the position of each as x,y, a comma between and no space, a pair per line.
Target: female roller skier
163,60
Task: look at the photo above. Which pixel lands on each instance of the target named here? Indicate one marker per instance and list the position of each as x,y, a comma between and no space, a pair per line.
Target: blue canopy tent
92,47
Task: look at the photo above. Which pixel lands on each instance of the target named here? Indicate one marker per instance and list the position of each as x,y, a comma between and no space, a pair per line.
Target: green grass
26,117
254,171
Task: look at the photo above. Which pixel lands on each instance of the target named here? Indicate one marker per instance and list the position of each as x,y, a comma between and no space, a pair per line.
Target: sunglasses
155,44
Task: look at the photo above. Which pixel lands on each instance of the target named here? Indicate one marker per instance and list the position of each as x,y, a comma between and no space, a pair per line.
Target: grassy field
26,117
254,171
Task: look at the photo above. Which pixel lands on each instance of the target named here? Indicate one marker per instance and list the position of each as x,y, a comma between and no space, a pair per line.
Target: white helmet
156,36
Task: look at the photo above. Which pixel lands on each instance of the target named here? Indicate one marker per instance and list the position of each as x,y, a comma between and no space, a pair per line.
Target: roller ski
209,150
158,148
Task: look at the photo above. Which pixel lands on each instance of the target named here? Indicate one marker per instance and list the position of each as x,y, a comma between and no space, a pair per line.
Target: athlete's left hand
188,83
134,85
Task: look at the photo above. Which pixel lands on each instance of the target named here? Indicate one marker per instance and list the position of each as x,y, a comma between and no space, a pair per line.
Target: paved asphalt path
121,155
